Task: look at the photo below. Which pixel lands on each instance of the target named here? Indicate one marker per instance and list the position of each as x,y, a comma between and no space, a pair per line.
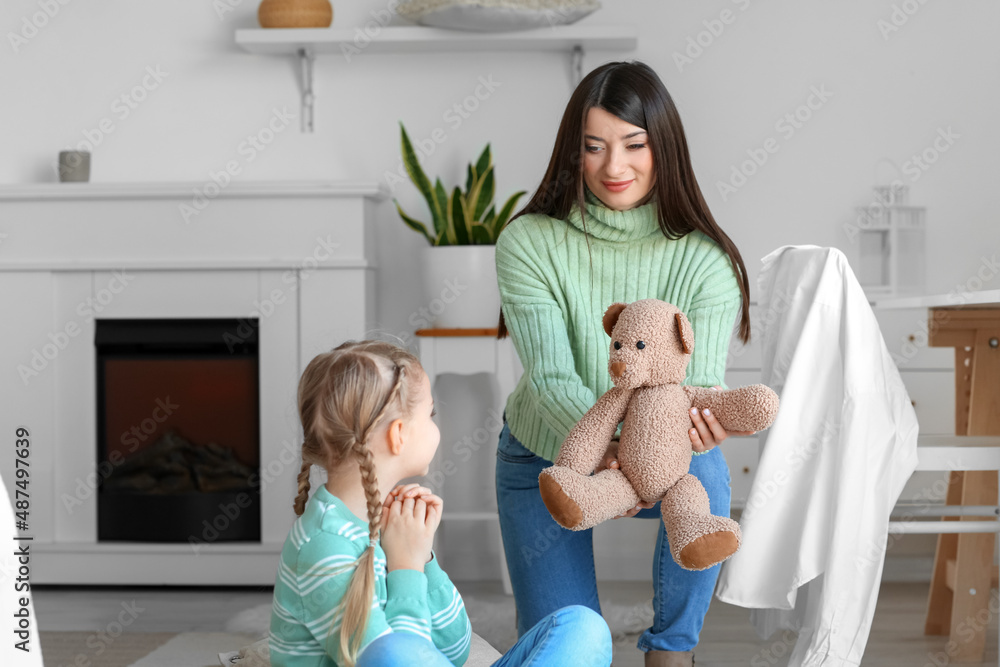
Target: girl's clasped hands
410,515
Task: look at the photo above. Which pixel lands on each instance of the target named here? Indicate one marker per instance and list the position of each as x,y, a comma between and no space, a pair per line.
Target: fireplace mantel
184,190
88,226
299,257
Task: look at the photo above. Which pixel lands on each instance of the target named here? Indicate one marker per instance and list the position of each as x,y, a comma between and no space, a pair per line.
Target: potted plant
460,280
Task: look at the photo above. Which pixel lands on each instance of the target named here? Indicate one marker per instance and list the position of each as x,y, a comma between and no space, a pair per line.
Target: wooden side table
963,563
468,351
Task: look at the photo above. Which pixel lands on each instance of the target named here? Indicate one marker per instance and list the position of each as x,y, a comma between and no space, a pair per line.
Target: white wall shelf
417,39
306,43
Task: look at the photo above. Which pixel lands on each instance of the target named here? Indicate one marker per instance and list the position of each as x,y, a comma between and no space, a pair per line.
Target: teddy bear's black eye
640,345
618,345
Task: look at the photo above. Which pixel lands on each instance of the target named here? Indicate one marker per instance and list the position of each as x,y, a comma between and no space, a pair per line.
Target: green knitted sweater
553,303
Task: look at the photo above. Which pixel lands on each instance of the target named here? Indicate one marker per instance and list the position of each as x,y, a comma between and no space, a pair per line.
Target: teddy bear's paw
708,550
563,509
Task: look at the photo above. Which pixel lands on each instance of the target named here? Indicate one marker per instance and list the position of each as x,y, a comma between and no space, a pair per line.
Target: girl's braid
366,462
303,494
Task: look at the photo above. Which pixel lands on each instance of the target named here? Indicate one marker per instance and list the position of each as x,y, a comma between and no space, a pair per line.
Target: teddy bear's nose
618,368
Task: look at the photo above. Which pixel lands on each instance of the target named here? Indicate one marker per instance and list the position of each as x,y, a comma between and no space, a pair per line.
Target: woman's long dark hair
634,93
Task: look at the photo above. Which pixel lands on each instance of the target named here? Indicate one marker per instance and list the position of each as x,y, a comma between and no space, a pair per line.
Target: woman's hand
708,432
643,505
610,458
410,516
610,461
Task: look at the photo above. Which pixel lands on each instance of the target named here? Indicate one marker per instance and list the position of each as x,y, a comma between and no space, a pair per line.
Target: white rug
194,649
255,621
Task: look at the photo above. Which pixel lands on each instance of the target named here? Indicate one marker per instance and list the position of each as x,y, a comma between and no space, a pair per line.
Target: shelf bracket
576,64
306,59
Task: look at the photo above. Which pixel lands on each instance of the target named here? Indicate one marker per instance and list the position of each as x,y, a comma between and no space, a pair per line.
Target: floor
727,639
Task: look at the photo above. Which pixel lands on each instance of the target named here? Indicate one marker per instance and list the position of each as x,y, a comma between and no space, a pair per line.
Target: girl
370,592
618,217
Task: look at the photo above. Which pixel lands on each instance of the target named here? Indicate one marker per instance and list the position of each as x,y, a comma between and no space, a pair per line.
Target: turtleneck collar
611,225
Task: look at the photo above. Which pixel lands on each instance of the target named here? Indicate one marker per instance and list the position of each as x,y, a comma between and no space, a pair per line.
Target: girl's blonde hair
343,396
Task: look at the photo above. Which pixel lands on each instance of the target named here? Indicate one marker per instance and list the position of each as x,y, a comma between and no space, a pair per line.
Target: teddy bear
651,345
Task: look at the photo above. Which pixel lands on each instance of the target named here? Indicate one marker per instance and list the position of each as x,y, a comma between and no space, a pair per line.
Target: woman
621,156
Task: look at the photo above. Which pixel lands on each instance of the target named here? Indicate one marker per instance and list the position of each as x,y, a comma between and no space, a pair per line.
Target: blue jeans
569,637
551,567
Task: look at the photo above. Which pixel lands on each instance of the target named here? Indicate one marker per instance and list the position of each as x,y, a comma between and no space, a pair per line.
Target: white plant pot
460,288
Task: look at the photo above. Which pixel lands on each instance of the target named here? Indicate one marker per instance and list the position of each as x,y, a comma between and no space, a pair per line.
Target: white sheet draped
832,466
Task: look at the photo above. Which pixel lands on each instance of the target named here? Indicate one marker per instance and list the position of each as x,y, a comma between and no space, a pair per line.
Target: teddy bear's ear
684,333
611,316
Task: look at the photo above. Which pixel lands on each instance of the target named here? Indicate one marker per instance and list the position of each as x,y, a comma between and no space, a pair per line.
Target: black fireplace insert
178,430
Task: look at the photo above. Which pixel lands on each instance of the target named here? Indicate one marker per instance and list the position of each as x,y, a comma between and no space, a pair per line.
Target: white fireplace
295,260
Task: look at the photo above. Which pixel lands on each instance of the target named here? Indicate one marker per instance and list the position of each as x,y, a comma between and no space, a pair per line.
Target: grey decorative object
496,15
74,166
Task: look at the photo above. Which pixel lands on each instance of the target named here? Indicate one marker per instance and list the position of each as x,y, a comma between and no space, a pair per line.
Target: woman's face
617,160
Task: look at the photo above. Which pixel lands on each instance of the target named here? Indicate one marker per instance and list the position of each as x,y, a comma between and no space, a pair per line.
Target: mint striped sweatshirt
553,304
317,561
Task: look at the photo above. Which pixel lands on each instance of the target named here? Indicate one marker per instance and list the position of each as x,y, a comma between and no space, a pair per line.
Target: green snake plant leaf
448,235
484,161
481,234
459,218
508,208
484,196
470,177
441,196
419,178
415,225
473,194
488,221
